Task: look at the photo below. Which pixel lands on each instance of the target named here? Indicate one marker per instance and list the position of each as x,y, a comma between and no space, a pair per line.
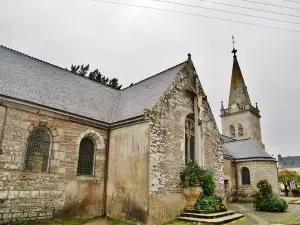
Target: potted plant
192,179
295,192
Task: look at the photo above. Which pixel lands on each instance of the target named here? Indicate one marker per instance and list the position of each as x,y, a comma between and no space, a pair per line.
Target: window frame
188,134
49,152
242,177
93,161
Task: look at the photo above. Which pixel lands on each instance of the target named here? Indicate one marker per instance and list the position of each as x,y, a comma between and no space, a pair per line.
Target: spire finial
234,51
189,56
222,106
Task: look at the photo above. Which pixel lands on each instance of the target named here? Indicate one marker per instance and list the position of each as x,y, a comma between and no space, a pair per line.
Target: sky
132,43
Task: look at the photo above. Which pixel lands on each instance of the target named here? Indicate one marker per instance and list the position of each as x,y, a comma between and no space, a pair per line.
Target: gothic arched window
38,150
232,131
241,130
245,175
189,140
86,157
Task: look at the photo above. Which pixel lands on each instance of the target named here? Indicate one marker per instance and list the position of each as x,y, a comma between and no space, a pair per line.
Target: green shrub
265,200
273,204
210,203
209,184
191,175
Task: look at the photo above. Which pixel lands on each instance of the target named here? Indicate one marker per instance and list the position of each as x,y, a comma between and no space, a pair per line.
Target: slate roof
288,162
226,138
31,80
246,150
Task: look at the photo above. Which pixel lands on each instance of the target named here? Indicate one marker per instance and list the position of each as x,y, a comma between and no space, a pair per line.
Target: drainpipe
236,182
2,130
106,173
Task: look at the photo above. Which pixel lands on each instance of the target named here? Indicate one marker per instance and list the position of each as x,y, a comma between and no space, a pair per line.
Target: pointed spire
256,106
222,106
238,90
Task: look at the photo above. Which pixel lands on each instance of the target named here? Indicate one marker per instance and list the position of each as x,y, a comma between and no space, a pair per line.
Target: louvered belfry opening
189,140
86,157
38,150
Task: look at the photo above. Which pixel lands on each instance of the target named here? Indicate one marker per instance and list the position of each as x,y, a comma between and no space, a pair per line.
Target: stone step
208,215
220,220
192,210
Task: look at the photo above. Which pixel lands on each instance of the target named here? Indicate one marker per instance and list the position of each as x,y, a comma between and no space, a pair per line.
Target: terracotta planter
295,194
192,194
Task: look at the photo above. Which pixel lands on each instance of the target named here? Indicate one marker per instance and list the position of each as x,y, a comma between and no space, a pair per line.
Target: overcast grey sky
134,43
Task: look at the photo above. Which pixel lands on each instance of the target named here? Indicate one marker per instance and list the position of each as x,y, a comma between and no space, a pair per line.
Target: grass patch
112,221
178,222
53,222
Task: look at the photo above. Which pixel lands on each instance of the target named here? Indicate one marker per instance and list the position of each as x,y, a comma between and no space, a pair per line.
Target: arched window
189,140
232,131
245,175
38,150
86,157
241,130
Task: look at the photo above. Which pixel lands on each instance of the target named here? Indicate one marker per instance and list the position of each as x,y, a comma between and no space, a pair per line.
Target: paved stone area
292,216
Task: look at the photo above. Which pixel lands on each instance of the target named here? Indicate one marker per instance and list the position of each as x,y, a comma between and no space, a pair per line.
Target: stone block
55,147
35,194
3,194
13,194
5,158
6,216
61,170
59,155
24,194
44,194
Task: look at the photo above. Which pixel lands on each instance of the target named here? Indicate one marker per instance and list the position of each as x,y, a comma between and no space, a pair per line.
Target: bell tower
240,120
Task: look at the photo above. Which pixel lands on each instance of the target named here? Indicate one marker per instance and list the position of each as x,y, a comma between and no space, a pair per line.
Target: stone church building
245,160
70,146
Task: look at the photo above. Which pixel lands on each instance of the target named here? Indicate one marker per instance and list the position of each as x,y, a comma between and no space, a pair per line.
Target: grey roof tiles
288,162
246,150
25,78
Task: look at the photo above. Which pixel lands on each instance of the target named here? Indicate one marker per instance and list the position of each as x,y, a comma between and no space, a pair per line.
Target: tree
95,75
286,177
80,70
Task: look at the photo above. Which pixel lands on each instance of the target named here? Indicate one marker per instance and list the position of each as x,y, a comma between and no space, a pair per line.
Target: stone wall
249,121
167,143
59,192
128,178
259,170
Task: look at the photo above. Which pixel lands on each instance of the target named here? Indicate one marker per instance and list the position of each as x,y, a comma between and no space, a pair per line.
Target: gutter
75,117
2,131
106,174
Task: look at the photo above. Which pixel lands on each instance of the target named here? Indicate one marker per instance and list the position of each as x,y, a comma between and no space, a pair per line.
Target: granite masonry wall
167,143
259,170
60,192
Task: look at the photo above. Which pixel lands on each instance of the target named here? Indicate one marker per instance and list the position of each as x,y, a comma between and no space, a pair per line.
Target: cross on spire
234,51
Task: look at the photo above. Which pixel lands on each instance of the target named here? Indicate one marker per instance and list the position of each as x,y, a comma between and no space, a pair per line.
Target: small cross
234,51
233,42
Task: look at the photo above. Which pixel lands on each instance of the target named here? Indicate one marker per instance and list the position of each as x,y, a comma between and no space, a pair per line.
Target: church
245,160
71,147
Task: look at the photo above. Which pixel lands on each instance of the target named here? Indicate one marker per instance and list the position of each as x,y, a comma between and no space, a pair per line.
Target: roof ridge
39,60
153,76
